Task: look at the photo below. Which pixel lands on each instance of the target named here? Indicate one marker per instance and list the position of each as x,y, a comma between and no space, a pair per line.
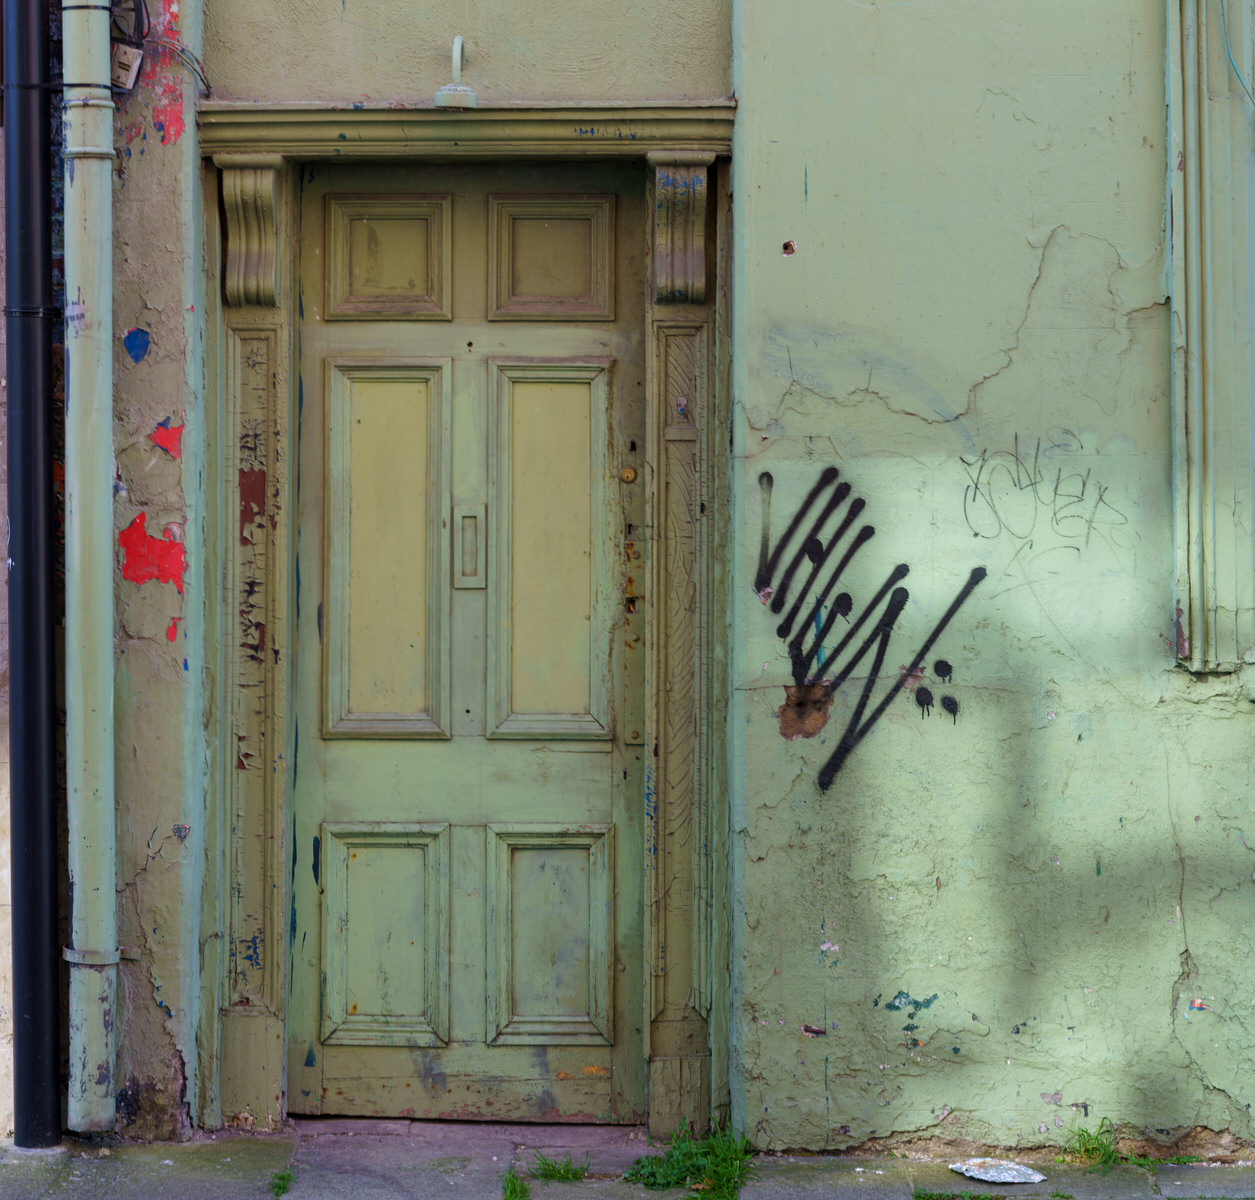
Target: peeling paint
252,484
146,558
169,438
136,342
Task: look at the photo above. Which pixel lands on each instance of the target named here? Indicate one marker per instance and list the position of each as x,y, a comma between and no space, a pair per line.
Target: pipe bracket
91,958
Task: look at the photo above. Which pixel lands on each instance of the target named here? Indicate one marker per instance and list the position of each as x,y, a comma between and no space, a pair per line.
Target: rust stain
593,1069
805,710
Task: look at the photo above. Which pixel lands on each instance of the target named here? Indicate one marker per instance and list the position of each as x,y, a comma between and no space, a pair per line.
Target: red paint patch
252,501
168,118
164,73
146,558
169,438
172,630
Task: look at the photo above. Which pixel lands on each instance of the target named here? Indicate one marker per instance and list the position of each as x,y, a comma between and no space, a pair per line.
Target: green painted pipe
89,474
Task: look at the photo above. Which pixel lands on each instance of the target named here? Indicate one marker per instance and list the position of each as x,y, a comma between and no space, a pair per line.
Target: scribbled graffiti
1032,486
799,578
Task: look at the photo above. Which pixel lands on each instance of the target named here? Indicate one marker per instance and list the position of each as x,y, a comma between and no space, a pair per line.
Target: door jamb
258,153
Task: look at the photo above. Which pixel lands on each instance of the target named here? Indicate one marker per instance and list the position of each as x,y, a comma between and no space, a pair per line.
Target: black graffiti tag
800,577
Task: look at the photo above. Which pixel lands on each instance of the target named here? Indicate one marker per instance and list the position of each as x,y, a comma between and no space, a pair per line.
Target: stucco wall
160,587
950,287
393,51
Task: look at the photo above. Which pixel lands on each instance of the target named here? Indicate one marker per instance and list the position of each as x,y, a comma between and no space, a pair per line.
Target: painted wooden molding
248,200
681,194
1211,225
512,132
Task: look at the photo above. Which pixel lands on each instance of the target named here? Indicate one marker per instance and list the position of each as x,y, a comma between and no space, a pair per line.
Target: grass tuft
714,1168
563,1170
1097,1148
280,1181
515,1187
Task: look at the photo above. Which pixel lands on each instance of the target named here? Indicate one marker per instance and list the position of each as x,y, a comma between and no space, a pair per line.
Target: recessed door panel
385,623
385,934
550,504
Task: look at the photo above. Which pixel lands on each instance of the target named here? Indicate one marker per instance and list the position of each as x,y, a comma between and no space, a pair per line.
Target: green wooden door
467,771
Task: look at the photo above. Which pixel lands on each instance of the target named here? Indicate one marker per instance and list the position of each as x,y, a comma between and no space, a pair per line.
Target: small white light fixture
456,94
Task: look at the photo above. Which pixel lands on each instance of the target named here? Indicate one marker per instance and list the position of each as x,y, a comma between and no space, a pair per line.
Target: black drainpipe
29,316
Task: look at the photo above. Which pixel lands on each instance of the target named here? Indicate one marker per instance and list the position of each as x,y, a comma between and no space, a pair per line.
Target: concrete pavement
417,1160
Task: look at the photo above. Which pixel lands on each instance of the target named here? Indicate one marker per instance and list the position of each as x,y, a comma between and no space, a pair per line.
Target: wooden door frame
254,159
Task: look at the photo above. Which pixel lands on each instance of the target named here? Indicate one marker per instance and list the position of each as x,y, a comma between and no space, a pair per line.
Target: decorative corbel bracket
680,199
249,186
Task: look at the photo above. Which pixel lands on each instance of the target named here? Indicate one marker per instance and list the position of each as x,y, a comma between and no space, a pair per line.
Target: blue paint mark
310,1061
805,191
317,857
136,342
253,954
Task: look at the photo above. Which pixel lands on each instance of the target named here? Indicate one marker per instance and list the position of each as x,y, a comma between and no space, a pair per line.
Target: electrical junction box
124,65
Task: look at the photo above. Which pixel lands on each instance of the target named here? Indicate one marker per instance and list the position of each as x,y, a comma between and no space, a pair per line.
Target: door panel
468,940
385,624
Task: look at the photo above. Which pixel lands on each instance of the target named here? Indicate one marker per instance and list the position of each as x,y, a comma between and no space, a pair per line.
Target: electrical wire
1224,18
185,56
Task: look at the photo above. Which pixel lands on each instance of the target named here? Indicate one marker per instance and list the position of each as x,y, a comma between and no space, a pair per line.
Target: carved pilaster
680,1084
249,185
680,191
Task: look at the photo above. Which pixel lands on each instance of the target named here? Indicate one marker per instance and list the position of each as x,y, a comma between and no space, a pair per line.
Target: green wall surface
987,903
368,52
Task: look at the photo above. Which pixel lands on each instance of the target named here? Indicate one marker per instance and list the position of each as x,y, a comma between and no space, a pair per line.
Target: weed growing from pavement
515,1187
1097,1148
714,1168
1060,1196
922,1195
280,1181
561,1169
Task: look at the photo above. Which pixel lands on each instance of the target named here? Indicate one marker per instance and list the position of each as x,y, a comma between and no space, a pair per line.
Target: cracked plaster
1064,865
